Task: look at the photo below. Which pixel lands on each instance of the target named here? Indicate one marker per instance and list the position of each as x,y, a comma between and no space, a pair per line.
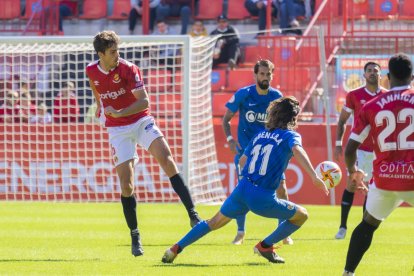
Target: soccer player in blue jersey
252,102
264,161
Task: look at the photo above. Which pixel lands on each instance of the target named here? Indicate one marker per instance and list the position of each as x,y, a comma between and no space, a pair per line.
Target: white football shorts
381,203
364,162
124,139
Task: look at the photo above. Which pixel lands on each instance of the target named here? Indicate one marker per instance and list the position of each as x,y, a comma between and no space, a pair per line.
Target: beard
263,85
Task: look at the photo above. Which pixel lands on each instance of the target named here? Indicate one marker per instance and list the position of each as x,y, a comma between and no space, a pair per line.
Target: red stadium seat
359,9
121,10
9,9
386,8
331,8
236,10
208,10
165,105
254,53
158,80
219,101
218,79
94,9
407,9
239,78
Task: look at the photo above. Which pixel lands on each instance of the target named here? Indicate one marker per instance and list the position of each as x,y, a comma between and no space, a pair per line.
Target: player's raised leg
125,172
162,153
197,232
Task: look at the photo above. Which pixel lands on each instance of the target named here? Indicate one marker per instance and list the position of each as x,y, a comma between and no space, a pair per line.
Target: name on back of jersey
268,135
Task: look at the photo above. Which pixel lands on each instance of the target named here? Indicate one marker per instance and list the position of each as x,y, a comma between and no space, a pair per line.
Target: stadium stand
236,10
94,9
208,11
121,9
9,9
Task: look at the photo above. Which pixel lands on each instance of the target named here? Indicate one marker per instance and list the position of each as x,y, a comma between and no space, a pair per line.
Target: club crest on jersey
96,83
116,79
363,102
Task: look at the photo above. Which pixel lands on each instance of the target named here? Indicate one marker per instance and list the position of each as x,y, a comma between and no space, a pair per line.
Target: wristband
229,138
338,143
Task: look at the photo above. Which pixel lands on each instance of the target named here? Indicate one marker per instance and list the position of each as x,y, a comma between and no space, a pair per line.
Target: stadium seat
158,80
331,8
236,10
358,9
386,8
254,53
218,79
9,9
239,78
407,9
219,101
207,10
120,9
94,9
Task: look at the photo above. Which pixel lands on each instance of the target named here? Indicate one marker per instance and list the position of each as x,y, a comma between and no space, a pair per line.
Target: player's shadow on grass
48,260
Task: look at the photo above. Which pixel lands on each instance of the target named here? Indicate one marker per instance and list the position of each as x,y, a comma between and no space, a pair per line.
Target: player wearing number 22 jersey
264,161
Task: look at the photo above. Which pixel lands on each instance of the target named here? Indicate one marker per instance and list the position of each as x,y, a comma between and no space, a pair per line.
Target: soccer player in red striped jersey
355,100
389,119
120,93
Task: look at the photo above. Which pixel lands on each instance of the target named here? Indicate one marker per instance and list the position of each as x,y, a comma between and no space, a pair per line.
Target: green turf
92,239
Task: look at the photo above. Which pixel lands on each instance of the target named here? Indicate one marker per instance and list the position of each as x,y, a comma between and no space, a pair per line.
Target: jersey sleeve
349,105
361,128
134,79
295,140
235,101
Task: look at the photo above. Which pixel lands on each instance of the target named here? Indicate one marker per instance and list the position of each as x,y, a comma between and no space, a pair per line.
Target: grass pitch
93,239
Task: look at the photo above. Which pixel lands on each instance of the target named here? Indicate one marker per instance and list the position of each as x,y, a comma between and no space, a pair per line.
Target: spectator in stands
136,11
258,8
65,105
288,11
164,53
198,29
9,110
68,8
42,116
177,8
27,108
227,49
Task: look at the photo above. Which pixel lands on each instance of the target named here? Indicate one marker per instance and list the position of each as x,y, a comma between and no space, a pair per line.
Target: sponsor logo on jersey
363,102
116,78
251,116
96,83
149,126
113,95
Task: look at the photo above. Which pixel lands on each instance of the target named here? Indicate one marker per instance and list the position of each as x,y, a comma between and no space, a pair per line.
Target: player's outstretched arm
356,175
303,159
97,99
139,105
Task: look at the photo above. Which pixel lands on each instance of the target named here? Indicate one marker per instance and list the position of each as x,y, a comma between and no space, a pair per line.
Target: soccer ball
330,173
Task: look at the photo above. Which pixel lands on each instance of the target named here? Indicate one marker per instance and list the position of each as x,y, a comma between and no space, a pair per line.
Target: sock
347,199
360,242
241,223
182,191
129,204
284,229
194,234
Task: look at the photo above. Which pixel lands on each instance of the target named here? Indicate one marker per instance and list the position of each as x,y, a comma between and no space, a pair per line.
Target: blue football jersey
252,111
268,155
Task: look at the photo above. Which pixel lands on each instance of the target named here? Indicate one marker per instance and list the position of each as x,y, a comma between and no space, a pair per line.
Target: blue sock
194,234
280,221
241,221
282,231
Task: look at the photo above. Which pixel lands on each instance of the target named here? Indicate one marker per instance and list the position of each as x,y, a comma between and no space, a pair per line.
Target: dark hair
282,113
371,63
265,63
400,66
105,40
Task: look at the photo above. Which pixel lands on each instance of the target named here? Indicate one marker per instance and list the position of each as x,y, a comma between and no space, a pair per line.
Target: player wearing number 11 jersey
264,161
389,119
